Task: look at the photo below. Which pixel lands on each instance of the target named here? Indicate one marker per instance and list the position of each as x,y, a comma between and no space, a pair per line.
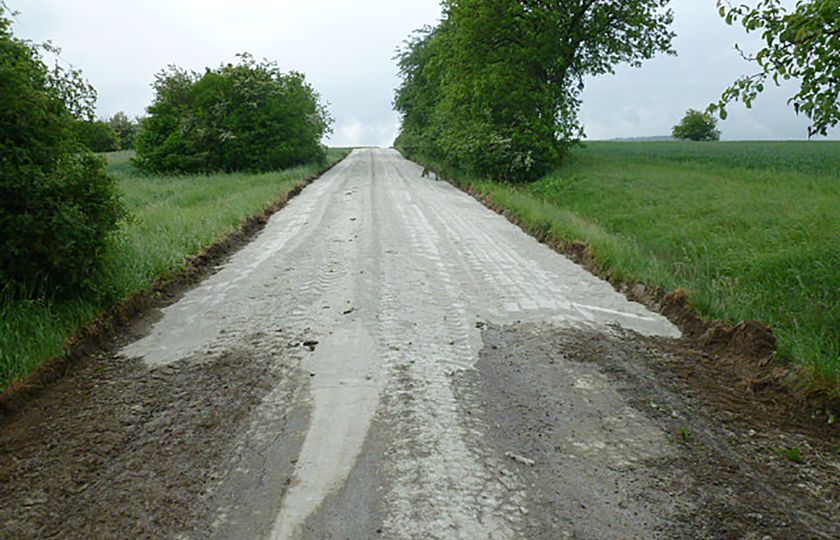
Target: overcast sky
346,48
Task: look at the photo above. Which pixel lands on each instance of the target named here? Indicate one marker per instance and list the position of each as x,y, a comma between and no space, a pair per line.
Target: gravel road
382,361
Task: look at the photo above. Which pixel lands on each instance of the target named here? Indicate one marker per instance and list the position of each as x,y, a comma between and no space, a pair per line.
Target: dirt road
389,359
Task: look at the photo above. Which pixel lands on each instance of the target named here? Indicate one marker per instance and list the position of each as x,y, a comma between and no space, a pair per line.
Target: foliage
495,88
96,136
697,126
126,130
750,229
803,44
248,116
58,207
173,218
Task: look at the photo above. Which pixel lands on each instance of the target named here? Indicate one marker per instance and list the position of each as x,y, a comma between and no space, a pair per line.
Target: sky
346,50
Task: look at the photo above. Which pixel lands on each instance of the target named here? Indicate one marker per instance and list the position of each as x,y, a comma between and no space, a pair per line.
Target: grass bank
751,230
173,219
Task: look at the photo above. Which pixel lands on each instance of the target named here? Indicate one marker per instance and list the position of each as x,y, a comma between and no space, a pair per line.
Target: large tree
697,126
496,87
802,44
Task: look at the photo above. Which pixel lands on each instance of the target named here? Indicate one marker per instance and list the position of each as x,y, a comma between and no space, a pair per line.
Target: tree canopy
802,44
125,128
496,87
247,116
58,207
697,126
97,135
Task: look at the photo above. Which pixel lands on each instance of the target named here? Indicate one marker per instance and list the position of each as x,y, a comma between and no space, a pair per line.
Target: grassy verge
751,230
173,219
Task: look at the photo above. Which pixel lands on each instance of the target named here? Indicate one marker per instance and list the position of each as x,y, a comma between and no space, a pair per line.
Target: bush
244,117
125,128
697,126
58,208
97,136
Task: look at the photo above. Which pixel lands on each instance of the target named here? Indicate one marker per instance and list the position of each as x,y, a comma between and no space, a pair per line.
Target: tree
697,126
496,87
97,136
125,128
247,116
59,209
803,44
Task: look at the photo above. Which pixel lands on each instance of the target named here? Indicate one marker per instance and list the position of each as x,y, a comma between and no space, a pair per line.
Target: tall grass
752,230
173,218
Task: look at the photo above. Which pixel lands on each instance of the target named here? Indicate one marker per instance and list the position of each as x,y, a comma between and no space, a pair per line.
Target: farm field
172,219
751,230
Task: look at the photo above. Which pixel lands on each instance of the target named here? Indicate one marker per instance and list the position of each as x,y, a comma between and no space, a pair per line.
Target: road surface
393,276
387,359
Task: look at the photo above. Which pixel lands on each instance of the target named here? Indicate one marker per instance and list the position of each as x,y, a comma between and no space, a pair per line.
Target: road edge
164,291
745,350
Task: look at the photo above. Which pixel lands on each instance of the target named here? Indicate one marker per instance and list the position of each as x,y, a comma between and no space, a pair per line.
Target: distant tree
58,207
803,44
496,87
125,128
97,136
697,126
247,116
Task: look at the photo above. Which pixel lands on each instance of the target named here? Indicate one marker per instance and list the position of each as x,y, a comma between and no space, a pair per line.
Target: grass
173,218
751,230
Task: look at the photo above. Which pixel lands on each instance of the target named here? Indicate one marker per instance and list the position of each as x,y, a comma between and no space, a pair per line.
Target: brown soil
729,477
165,291
116,450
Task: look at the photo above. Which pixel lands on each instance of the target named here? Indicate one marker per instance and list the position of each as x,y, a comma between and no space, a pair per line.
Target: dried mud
391,360
115,450
726,479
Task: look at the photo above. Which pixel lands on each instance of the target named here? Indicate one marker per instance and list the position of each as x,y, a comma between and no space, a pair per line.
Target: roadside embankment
739,243
180,227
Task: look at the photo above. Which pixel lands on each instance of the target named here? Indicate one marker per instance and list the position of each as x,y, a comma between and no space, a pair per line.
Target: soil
729,477
115,449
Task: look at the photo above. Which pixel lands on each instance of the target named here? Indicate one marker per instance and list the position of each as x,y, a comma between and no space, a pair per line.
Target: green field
751,230
173,218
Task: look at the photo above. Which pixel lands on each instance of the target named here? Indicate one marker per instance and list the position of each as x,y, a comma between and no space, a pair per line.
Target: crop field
172,219
751,230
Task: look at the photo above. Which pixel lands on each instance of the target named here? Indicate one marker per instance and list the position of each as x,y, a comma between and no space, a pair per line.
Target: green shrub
244,117
697,126
97,136
126,130
58,207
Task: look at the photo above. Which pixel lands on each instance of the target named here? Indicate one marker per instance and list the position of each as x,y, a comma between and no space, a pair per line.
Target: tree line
495,88
60,210
115,133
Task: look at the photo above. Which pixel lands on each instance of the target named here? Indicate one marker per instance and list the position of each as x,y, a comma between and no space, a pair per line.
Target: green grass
751,230
173,218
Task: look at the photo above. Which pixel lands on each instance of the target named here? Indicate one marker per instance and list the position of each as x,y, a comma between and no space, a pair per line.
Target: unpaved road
389,359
